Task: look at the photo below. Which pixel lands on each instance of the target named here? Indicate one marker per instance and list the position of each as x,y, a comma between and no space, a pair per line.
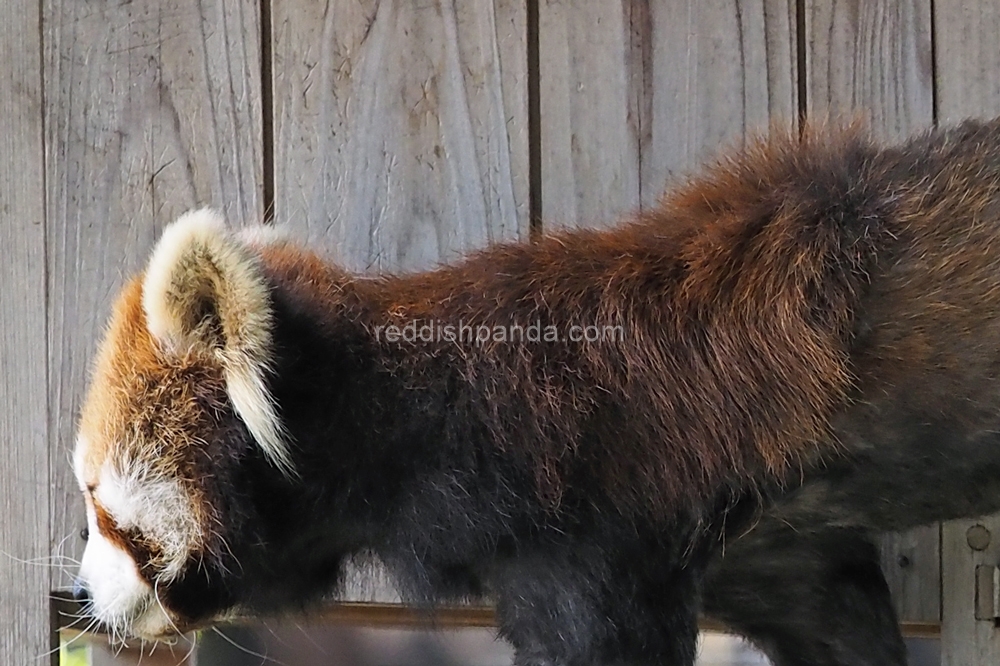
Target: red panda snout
117,592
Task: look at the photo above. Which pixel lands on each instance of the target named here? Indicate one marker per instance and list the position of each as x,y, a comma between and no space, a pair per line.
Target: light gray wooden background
398,135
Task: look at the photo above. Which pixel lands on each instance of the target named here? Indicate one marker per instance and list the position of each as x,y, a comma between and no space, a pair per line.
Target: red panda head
182,368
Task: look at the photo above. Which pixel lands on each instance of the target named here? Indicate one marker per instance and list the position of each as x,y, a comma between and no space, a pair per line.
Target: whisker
48,653
81,633
187,657
231,553
156,596
142,650
77,619
272,632
59,546
42,561
310,638
263,657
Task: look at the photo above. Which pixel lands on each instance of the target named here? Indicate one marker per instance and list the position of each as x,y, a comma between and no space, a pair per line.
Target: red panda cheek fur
586,486
144,423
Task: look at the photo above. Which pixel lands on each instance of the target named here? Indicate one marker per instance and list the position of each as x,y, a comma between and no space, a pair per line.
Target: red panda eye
85,533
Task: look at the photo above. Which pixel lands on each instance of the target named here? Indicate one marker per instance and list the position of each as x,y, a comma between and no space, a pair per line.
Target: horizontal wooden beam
398,616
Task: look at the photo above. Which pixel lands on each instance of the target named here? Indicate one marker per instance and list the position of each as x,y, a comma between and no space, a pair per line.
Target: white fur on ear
204,290
263,235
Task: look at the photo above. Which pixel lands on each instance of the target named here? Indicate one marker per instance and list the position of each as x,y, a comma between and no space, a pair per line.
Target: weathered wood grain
966,641
24,501
152,108
968,59
590,80
911,562
401,128
719,71
635,94
870,58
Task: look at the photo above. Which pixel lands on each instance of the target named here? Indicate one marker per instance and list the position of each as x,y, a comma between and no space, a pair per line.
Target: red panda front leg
580,607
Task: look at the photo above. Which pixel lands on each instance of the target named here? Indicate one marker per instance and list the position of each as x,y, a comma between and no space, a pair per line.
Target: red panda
803,340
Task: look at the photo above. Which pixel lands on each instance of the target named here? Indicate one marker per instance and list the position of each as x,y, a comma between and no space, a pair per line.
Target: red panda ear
204,291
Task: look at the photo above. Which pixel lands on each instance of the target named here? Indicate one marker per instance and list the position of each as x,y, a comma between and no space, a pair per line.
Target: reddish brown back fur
735,298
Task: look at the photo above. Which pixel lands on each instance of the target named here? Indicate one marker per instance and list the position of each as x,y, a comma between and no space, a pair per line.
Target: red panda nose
80,592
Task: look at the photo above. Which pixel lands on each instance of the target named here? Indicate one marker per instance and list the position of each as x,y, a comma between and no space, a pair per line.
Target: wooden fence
396,135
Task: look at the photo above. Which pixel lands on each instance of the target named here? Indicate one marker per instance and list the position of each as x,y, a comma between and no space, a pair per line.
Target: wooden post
24,501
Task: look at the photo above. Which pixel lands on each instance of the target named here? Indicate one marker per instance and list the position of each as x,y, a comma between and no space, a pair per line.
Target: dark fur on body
811,339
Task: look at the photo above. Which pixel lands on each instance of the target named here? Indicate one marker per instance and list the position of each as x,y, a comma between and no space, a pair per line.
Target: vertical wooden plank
965,640
24,578
590,116
968,59
967,62
636,93
719,71
152,108
401,128
874,59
